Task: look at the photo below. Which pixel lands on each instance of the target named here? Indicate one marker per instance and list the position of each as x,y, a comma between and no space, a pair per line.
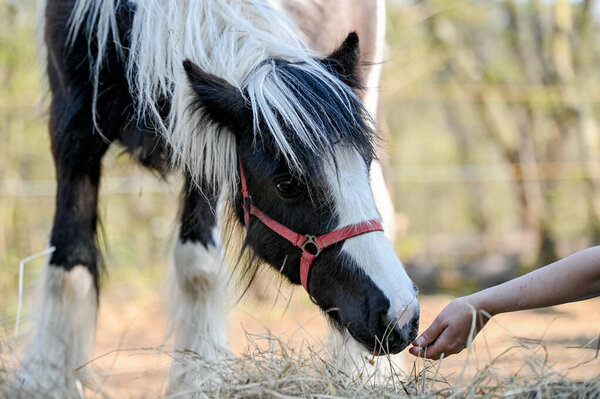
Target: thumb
430,335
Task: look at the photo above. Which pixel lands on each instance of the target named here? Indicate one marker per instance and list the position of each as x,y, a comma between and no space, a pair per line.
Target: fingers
431,334
428,344
449,332
435,351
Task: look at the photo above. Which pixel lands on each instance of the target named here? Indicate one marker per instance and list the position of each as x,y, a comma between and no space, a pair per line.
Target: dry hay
286,371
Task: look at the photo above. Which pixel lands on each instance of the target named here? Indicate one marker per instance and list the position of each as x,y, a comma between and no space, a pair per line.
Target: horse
275,143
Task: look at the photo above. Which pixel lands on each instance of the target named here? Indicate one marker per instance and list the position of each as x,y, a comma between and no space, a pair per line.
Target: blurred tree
515,79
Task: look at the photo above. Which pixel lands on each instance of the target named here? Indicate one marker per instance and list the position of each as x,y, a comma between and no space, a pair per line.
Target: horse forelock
306,111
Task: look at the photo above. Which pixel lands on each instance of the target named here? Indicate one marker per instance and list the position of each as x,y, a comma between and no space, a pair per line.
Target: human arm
574,278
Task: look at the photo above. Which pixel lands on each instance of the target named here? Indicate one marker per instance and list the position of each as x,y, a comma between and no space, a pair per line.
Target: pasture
493,164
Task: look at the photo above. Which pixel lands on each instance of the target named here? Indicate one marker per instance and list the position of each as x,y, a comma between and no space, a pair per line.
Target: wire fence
418,174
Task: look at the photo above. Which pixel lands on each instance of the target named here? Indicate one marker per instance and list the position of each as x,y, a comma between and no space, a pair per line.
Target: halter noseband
310,245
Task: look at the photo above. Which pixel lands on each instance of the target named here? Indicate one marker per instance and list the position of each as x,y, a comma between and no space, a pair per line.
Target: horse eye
287,186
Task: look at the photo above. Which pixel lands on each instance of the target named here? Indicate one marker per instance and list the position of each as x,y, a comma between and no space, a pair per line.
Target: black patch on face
305,213
348,286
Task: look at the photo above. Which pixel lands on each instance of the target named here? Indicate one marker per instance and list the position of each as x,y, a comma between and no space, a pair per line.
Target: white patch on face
65,327
383,200
373,252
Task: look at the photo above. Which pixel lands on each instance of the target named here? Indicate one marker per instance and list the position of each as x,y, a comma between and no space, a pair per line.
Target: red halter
317,244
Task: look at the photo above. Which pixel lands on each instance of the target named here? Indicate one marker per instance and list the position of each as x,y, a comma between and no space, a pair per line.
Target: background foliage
492,108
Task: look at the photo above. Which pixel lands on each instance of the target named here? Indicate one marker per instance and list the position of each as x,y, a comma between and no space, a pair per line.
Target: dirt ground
127,363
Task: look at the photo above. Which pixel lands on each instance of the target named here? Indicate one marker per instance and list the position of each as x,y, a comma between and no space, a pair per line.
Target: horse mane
241,42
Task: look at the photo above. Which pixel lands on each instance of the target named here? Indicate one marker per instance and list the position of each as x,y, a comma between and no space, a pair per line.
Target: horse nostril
386,323
414,328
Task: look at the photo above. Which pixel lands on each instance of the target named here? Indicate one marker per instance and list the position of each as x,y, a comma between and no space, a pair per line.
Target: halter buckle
311,239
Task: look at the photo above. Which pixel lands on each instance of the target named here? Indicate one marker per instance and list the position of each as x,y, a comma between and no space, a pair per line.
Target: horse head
304,147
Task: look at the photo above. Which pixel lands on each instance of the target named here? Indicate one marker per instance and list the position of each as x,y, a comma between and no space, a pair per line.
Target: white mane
229,38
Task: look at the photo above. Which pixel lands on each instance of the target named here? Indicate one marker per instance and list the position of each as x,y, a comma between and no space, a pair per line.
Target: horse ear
344,61
218,99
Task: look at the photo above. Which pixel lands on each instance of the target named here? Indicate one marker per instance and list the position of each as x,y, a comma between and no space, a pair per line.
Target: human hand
449,332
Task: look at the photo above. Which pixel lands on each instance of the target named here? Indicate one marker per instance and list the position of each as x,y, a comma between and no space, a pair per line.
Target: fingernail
419,341
416,351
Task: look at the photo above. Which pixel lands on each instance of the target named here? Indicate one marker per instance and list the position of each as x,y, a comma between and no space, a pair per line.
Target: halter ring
311,239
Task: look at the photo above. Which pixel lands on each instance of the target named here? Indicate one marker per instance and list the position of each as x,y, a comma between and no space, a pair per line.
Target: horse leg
198,285
66,313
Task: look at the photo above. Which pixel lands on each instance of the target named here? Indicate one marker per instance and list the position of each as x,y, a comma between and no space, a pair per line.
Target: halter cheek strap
310,245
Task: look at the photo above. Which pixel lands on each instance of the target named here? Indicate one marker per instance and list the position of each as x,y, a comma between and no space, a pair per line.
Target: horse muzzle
383,323
382,334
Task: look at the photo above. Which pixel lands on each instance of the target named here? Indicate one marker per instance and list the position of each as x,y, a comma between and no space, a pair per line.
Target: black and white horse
221,89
